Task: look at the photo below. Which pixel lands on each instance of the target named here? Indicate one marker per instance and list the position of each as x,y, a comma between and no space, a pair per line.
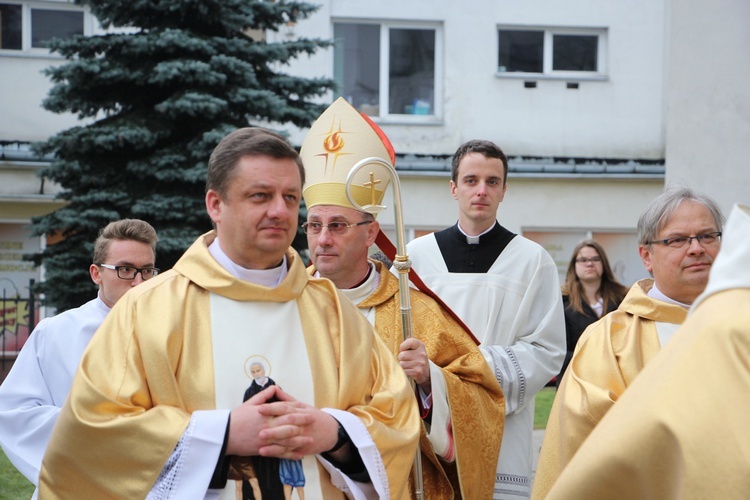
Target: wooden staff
401,263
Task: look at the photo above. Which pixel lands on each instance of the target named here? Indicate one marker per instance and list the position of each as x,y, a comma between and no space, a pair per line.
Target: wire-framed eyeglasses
584,260
333,227
706,239
130,272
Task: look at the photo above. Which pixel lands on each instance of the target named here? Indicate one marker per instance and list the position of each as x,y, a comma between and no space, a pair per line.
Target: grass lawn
14,485
542,407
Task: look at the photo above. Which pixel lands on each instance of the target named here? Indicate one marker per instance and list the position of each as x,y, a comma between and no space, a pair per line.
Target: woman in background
590,291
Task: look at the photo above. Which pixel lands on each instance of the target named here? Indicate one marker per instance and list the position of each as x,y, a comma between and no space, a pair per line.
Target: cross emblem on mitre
371,184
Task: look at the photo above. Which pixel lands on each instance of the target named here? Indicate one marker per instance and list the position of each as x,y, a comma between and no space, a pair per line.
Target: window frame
435,117
548,72
26,35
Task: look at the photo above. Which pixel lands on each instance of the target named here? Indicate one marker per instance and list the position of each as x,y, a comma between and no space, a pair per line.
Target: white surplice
515,311
36,387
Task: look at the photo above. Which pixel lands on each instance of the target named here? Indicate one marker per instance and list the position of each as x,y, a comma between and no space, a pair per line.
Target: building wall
23,117
675,87
708,119
23,195
620,117
555,212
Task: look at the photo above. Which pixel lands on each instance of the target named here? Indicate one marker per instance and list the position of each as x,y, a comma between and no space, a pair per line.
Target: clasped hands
284,428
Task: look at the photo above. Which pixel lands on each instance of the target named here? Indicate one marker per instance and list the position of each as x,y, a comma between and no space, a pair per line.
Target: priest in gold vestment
460,400
156,409
679,236
680,431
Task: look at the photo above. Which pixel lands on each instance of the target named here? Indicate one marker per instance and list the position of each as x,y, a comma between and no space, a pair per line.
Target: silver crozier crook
401,263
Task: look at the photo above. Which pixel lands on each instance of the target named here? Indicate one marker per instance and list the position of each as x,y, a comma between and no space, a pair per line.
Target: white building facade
597,104
574,96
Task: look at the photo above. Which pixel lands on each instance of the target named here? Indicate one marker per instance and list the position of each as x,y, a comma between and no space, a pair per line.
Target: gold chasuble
608,357
191,339
477,406
681,430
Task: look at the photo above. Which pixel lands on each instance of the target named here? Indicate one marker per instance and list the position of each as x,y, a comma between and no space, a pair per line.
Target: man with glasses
36,387
455,387
679,237
680,430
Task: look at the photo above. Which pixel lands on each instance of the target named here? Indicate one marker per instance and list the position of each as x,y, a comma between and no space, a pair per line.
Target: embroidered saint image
269,477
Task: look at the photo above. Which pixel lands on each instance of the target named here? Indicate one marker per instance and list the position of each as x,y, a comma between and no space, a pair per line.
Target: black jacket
575,324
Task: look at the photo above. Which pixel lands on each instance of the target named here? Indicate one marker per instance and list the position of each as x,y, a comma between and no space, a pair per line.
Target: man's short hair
660,210
124,229
487,148
248,141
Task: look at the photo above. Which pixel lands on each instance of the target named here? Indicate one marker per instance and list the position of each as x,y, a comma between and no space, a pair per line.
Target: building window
47,24
31,25
388,70
552,52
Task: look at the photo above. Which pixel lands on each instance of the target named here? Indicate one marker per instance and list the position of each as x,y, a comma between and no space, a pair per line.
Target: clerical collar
474,240
363,290
463,256
657,294
265,277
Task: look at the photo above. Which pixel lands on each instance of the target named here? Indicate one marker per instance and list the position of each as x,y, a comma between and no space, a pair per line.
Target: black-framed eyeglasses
706,239
584,260
333,227
130,272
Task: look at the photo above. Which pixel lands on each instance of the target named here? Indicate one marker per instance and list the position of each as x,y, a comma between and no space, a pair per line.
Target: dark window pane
10,26
520,51
47,24
574,52
356,67
412,72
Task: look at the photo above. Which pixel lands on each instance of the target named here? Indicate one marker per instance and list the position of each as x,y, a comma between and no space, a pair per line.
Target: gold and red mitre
339,139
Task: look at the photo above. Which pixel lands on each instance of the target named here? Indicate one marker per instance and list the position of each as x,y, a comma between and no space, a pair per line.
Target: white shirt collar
265,277
360,293
657,294
101,302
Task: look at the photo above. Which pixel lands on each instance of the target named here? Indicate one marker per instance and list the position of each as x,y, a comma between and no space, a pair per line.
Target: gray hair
660,210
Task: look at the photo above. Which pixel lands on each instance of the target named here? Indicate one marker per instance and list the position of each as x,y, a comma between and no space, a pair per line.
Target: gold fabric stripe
334,193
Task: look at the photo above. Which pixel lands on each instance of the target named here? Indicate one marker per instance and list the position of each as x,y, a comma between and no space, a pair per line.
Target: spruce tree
156,98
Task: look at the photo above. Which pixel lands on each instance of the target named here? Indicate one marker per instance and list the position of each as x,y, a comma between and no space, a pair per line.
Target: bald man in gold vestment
679,236
681,430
